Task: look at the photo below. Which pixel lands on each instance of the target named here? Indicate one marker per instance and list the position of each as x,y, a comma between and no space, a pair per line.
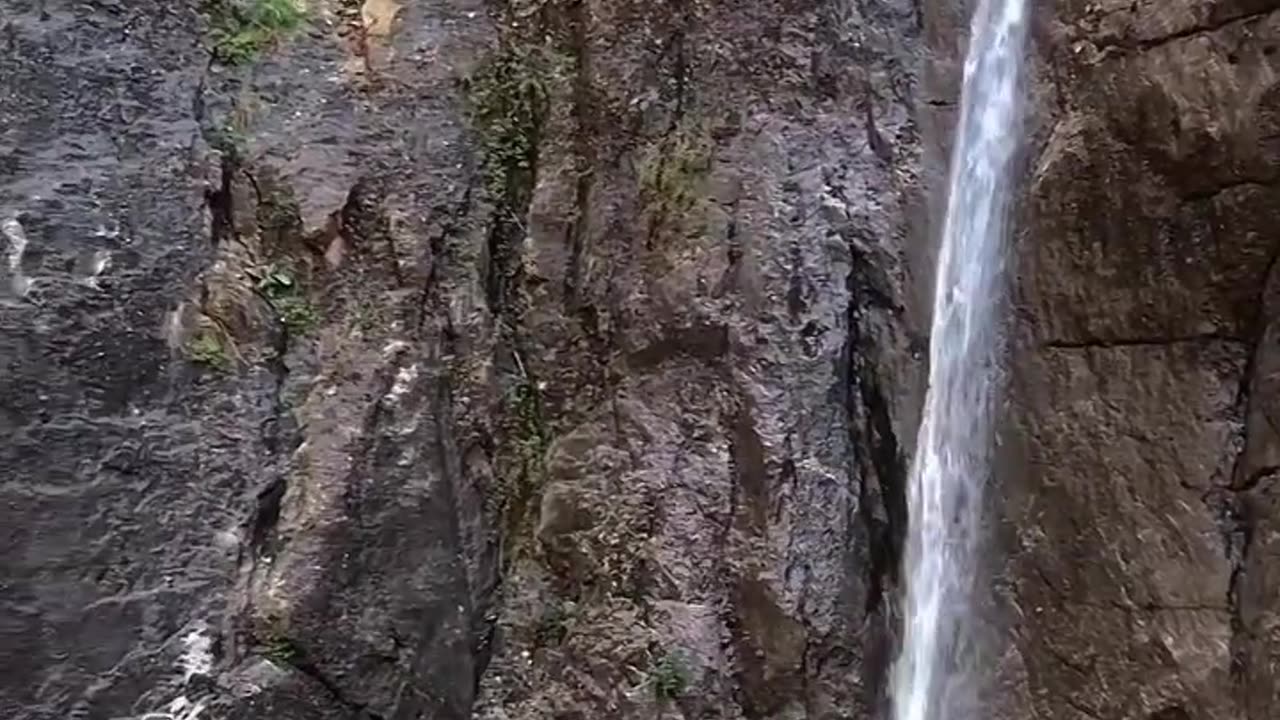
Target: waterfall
932,677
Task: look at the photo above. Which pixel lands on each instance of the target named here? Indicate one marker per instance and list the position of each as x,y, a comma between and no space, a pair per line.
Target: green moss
280,649
508,98
276,645
673,177
207,349
530,438
285,294
669,677
241,29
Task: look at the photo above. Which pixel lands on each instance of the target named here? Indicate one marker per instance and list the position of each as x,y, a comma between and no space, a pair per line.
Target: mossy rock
242,29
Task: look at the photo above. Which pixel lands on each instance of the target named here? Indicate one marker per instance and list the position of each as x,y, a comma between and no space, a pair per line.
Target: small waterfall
933,676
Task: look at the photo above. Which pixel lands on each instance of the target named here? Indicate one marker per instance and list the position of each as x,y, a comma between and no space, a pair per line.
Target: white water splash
180,709
938,671
196,659
197,654
16,238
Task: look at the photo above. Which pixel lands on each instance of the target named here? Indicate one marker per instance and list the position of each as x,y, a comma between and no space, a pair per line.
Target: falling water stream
936,674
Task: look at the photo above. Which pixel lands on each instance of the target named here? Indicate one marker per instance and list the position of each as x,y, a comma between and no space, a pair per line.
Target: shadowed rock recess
397,360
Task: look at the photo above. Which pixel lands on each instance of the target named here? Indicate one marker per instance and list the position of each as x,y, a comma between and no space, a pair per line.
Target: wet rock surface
562,360
717,319
234,485
336,387
1138,491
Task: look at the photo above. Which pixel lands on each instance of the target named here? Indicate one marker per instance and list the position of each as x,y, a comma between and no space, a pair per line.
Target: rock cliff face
562,359
1140,500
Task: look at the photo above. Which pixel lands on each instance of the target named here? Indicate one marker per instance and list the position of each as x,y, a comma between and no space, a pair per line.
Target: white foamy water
937,671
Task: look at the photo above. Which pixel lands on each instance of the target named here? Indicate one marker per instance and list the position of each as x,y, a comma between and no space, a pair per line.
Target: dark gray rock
242,540
120,508
214,511
310,413
1137,495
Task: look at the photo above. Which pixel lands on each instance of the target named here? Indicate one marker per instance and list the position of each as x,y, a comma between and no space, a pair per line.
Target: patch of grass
616,550
669,677
508,98
241,29
298,316
286,296
207,349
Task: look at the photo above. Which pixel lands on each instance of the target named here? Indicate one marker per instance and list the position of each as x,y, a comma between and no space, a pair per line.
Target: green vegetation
366,316
278,210
280,649
241,29
669,677
528,439
286,297
531,432
207,349
508,98
230,140
508,103
673,173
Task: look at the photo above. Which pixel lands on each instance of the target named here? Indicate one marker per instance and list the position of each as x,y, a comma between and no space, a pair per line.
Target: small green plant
230,140
298,316
366,316
280,649
528,437
669,677
508,98
208,350
531,433
243,28
285,295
